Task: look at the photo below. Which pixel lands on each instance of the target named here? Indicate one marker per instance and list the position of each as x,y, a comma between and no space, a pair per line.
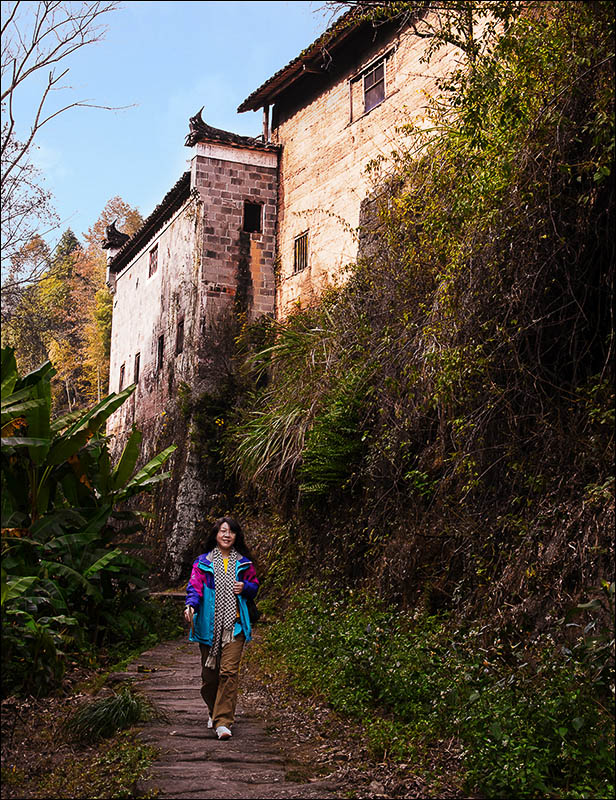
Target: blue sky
166,60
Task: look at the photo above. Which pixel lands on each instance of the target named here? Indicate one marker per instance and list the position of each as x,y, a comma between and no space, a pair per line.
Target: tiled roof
200,131
163,211
312,56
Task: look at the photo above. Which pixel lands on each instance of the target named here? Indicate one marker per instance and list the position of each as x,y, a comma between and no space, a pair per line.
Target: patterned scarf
225,604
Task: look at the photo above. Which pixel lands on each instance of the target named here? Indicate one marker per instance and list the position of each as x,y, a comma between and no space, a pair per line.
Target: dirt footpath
193,763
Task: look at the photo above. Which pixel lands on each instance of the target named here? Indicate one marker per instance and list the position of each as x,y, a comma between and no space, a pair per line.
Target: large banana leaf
17,405
38,418
57,522
13,588
23,441
66,446
9,372
44,372
95,417
151,467
143,486
128,459
105,562
65,420
73,576
85,426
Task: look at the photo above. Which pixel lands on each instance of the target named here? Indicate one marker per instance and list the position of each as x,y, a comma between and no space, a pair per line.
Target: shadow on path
192,763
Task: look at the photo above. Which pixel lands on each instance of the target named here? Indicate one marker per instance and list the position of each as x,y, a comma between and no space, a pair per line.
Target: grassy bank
532,720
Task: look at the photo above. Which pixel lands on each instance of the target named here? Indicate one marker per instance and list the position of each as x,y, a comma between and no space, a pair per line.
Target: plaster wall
327,144
146,308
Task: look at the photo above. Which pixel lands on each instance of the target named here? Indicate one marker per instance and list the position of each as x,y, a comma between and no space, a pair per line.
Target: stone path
192,762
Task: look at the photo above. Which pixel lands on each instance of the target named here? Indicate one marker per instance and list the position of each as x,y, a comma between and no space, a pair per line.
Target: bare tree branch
36,36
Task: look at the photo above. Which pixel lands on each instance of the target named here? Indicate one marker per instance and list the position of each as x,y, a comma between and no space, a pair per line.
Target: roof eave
312,57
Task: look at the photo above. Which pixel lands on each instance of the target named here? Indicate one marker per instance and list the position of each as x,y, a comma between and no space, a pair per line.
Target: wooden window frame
357,83
179,337
380,64
153,266
300,252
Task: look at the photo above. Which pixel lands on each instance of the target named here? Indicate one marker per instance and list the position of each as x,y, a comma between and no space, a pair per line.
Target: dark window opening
179,338
136,370
160,352
252,217
122,369
374,86
153,261
300,252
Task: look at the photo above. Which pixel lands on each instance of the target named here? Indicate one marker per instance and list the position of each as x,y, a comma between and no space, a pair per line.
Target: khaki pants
219,686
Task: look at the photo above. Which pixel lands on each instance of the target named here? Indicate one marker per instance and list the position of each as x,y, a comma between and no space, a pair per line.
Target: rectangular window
374,86
300,252
122,369
153,261
252,217
179,337
136,370
160,352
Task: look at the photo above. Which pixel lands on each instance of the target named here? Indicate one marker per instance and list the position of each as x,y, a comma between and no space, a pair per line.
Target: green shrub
536,728
102,718
68,583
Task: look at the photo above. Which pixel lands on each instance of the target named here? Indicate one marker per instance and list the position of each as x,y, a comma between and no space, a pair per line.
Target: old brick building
290,199
334,109
209,243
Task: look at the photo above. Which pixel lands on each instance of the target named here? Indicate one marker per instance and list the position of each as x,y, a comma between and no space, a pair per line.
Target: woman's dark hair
234,525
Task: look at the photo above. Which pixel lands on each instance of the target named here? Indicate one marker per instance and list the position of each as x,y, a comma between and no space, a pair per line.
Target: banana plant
62,564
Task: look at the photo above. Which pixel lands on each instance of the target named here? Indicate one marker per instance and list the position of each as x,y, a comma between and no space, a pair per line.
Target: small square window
179,337
252,217
374,86
153,261
122,371
160,354
300,252
136,370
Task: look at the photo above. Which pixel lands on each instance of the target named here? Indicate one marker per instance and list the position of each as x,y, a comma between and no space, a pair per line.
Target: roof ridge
161,213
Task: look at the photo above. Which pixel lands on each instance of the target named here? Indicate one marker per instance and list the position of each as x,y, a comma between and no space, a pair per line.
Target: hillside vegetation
433,441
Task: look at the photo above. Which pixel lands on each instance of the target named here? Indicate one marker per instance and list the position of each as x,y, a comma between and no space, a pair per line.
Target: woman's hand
188,614
238,587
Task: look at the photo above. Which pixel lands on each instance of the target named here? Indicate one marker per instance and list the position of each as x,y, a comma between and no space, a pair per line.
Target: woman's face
225,538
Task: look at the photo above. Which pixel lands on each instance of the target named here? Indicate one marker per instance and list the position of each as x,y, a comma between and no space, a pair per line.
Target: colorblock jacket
200,595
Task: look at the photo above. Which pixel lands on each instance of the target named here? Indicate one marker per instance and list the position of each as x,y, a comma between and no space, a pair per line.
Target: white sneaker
210,724
223,732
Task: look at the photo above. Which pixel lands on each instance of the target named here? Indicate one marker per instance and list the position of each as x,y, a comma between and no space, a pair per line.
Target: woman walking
222,579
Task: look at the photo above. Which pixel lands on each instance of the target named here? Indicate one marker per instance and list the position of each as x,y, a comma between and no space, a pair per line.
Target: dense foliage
528,723
438,431
454,396
68,584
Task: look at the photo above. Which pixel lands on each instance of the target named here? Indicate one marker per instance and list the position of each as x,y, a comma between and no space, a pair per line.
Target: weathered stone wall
327,143
234,261
209,270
